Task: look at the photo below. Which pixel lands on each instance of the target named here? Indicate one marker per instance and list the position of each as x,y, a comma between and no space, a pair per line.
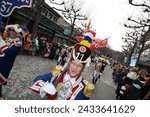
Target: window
44,12
50,15
55,19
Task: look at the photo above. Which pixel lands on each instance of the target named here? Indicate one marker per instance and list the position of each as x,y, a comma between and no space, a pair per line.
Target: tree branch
55,2
142,5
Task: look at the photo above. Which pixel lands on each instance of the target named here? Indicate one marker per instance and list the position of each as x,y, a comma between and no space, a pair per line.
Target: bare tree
39,11
130,44
145,4
142,27
107,51
87,25
71,11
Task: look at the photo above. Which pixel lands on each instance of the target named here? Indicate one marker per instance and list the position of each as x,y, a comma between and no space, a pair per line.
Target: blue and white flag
7,6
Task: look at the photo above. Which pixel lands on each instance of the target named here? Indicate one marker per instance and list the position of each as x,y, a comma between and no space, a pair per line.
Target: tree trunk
72,28
140,52
129,58
143,44
132,51
36,23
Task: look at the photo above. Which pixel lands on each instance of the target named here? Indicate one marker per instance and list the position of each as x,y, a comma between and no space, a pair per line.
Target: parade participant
36,45
97,72
9,49
69,84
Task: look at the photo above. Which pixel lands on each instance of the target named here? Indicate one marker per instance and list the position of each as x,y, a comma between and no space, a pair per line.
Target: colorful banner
98,44
7,6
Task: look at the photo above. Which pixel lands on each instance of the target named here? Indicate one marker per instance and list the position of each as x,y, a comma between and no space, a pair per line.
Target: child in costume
97,72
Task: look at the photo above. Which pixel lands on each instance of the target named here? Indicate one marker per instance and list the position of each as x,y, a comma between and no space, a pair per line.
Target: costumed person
97,73
9,49
69,84
28,45
36,45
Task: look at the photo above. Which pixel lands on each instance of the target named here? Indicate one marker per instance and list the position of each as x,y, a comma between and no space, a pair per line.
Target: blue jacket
7,61
77,90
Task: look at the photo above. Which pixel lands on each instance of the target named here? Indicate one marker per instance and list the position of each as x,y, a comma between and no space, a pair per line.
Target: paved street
26,68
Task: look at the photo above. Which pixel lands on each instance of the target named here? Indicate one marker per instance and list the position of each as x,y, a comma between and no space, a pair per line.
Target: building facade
49,25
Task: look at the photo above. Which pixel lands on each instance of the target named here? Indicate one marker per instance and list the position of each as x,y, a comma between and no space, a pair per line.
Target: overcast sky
107,18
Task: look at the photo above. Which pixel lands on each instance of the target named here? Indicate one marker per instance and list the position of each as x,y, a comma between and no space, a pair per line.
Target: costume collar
74,81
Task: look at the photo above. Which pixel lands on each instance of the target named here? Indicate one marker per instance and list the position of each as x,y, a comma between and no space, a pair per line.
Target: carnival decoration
90,41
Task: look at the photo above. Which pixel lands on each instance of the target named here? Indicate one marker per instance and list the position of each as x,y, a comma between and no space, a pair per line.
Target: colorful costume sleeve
45,77
12,51
7,61
40,81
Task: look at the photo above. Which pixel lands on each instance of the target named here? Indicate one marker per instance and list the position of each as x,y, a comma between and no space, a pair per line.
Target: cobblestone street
26,68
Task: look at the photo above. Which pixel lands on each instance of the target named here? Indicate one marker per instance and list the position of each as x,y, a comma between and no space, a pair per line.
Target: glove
18,42
47,88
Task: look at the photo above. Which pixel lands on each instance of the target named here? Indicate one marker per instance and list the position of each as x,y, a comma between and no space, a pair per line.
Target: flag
103,43
96,44
79,38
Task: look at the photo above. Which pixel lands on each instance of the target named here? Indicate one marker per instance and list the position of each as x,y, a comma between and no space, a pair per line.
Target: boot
93,80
